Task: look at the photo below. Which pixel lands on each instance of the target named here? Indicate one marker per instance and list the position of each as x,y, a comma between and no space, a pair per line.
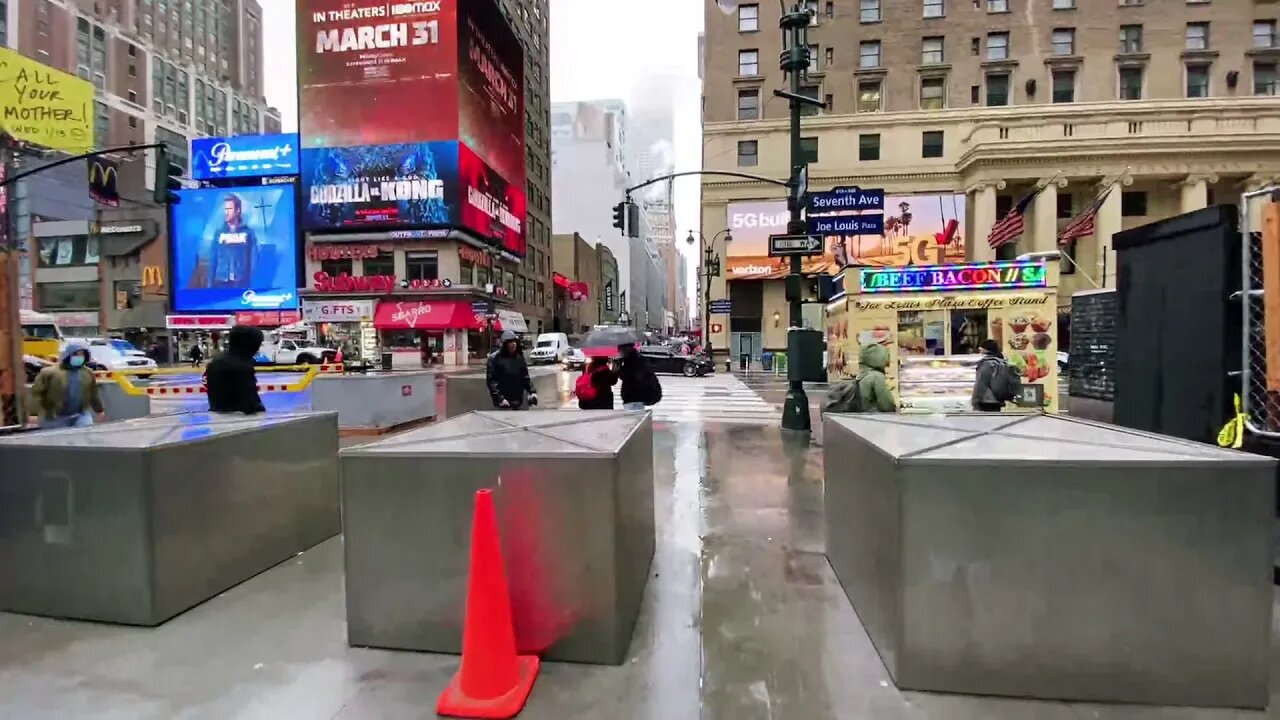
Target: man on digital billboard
376,73
491,89
235,250
413,184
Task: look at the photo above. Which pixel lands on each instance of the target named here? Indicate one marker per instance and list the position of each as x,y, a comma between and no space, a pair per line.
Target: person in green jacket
66,394
876,396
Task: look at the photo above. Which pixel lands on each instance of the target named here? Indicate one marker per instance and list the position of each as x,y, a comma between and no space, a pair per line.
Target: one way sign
789,245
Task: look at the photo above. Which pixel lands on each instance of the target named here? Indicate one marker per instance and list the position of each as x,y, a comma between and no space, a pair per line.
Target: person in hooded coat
232,381
66,394
507,375
872,384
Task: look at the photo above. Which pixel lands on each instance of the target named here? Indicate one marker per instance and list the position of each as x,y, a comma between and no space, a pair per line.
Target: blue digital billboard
405,185
235,249
244,156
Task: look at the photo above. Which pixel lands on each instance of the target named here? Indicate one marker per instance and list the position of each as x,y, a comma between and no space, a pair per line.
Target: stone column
1194,191
1106,223
984,218
1044,231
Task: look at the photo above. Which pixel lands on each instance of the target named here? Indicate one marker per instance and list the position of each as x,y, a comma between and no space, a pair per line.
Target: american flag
1012,224
1082,224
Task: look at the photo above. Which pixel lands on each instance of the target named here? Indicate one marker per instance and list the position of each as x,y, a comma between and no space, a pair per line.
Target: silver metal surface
575,498
469,393
1253,357
376,401
1050,557
136,521
121,405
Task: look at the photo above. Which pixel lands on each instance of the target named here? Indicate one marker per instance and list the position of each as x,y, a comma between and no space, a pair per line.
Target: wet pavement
742,619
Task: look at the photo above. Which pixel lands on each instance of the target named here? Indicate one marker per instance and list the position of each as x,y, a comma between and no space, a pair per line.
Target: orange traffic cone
493,681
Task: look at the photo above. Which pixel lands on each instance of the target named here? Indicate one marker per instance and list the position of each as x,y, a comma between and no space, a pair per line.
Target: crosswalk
719,398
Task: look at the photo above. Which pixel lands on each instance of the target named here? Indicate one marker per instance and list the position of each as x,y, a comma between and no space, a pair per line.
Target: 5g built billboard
411,115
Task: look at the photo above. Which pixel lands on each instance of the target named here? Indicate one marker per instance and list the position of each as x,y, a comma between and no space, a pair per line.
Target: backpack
583,387
1006,382
844,397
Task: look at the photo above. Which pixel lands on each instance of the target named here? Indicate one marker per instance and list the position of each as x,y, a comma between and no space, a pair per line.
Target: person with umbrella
507,376
640,386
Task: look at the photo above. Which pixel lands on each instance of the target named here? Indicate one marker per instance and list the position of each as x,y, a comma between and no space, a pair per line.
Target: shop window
336,267
68,296
421,265
968,330
1133,203
478,343
482,276
384,263
67,251
400,338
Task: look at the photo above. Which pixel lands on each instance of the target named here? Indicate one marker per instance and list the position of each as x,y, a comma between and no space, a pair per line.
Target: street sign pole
795,60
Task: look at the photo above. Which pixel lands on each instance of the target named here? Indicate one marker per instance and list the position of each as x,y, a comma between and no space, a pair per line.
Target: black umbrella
605,341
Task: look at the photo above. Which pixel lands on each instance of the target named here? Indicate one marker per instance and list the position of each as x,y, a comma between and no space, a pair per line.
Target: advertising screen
491,206
244,156
910,222
491,89
234,249
380,186
377,73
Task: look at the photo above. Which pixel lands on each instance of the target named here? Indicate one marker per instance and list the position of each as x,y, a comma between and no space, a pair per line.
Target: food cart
931,319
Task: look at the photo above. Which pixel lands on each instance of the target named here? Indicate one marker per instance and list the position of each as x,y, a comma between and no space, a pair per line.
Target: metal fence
1260,404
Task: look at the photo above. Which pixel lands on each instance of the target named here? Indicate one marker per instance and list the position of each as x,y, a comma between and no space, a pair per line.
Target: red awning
430,315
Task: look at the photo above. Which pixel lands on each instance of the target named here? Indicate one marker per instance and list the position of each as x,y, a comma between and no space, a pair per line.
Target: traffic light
620,216
633,220
168,179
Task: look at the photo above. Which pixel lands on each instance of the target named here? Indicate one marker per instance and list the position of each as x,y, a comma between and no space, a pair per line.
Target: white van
549,348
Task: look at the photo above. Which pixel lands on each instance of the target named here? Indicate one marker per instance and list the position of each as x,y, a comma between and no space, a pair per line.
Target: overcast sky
599,49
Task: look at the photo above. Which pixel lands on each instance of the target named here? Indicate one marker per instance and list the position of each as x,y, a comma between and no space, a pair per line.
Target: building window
814,92
1131,83
101,123
1133,203
933,8
1064,41
384,263
869,96
931,144
1264,33
814,54
466,272
831,57
748,153
1197,81
748,18
997,89
812,7
68,296
1064,86
931,51
1064,4
869,147
748,104
869,54
748,62
809,150
421,265
998,46
1064,206
997,6
869,11
1197,36
933,93
1130,39
337,267
1264,79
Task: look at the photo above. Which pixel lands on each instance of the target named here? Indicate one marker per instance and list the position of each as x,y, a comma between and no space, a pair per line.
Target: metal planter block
137,521
470,392
1049,557
378,401
574,493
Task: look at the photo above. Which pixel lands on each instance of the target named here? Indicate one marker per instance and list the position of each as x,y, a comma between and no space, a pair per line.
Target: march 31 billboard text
376,73
234,249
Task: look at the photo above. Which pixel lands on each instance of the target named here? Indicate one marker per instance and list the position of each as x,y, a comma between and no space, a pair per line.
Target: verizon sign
338,311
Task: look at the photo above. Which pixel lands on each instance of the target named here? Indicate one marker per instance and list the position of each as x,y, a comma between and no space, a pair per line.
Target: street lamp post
710,268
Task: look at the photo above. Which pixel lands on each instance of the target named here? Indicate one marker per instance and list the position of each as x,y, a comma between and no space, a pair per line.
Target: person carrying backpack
640,386
997,381
594,386
868,391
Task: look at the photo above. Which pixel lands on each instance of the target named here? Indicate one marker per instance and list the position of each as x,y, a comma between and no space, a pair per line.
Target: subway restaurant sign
951,278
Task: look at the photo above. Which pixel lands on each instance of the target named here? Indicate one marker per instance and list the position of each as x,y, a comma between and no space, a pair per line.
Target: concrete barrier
376,402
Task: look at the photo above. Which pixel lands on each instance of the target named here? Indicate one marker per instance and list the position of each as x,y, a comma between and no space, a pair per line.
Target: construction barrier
122,378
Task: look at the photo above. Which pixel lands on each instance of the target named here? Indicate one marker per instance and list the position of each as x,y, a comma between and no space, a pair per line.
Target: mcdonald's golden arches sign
152,276
104,178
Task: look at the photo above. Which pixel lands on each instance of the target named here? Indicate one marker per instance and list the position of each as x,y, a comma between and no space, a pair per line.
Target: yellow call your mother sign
44,106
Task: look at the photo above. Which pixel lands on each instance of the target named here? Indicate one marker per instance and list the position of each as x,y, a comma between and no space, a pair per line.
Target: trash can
386,361
766,361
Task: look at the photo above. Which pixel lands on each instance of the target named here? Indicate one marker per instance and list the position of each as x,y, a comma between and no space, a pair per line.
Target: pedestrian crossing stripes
716,398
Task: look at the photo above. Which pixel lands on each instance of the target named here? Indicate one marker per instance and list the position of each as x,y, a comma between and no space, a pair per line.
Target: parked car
574,359
667,359
295,352
107,354
549,348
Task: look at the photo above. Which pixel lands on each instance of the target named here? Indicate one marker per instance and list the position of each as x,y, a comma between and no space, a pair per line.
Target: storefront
347,324
437,332
932,319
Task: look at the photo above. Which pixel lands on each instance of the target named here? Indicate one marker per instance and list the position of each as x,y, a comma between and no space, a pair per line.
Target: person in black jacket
232,382
602,378
508,376
640,386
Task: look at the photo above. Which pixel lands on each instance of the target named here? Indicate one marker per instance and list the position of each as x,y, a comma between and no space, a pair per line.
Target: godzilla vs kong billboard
411,115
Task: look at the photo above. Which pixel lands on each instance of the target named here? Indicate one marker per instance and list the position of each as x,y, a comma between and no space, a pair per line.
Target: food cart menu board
1093,345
